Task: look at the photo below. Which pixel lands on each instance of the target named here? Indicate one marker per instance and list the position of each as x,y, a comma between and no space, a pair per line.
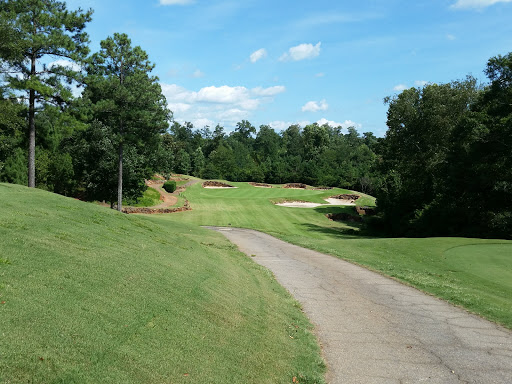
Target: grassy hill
473,273
89,295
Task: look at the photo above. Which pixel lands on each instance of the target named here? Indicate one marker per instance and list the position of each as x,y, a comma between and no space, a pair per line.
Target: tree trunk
32,132
120,178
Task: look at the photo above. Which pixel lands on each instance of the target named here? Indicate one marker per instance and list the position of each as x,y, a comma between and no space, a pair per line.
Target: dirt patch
260,185
368,211
152,211
295,186
322,188
344,217
150,183
216,184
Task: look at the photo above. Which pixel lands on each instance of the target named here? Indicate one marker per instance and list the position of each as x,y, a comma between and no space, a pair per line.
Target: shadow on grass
351,231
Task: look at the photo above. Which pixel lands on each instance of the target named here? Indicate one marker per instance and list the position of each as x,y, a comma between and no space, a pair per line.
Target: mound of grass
150,198
473,273
89,295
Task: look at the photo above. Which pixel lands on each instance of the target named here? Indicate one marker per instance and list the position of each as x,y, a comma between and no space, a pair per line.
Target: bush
170,186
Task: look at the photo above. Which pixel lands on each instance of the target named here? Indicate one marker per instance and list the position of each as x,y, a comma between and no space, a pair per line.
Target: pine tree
125,97
41,30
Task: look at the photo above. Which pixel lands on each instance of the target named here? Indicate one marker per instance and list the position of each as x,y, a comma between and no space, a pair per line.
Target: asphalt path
373,329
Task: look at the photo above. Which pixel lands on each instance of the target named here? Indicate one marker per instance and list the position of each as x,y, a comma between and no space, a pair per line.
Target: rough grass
150,198
89,295
473,273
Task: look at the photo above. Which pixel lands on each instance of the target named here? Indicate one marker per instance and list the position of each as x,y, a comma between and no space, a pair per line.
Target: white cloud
200,122
451,37
271,91
179,107
420,83
223,94
301,52
65,63
258,55
400,87
345,124
224,105
176,2
283,125
197,74
465,4
321,74
314,106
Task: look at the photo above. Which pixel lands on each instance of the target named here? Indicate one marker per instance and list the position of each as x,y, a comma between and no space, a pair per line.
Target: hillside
90,295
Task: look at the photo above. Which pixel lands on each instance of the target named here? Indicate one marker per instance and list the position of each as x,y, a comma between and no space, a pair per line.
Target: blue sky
282,62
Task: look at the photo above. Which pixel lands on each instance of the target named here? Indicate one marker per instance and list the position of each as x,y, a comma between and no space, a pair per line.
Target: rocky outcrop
295,186
351,197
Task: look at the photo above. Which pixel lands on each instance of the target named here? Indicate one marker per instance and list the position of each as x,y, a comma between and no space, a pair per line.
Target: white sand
298,204
340,201
302,204
220,187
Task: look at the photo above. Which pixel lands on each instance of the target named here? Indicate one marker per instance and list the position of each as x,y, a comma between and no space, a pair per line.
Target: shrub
170,186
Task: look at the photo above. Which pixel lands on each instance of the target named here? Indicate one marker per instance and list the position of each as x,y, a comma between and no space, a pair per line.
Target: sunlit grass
473,273
89,295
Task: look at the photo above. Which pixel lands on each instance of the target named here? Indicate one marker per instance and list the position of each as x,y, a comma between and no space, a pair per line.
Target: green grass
89,295
150,198
473,273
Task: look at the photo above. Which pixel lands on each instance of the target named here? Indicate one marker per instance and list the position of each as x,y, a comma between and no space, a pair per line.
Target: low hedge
170,186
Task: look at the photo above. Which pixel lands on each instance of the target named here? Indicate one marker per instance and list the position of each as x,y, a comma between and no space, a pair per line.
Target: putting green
489,263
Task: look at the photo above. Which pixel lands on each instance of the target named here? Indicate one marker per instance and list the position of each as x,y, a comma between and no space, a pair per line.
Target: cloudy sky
281,62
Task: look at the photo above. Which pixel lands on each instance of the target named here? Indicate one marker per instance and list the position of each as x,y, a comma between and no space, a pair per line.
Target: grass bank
473,273
89,295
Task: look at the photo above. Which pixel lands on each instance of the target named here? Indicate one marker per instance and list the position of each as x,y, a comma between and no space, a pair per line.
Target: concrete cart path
375,330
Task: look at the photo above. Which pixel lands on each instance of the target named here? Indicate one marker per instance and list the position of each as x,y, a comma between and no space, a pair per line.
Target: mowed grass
89,295
473,273
252,207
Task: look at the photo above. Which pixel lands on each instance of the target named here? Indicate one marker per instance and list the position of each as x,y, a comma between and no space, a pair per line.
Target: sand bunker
299,204
260,185
216,185
333,200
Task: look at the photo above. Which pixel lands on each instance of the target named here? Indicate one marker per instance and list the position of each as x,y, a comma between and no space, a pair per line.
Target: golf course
89,294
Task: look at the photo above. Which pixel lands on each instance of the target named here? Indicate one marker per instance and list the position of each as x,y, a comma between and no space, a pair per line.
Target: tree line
444,166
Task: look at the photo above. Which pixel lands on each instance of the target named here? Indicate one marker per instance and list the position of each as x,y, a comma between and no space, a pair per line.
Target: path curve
375,330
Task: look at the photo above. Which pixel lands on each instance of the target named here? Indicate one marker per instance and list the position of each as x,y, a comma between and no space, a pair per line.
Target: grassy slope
93,296
473,273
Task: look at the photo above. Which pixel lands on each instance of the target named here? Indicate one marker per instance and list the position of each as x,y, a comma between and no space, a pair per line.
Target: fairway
90,295
477,279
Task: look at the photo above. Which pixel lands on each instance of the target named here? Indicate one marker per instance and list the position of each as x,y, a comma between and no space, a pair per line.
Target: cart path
373,329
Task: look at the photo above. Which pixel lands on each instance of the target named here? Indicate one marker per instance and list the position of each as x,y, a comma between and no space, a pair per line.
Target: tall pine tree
126,98
41,30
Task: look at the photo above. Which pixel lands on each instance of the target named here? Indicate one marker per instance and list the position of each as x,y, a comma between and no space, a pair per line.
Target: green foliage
14,168
150,198
41,30
129,102
446,161
169,186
